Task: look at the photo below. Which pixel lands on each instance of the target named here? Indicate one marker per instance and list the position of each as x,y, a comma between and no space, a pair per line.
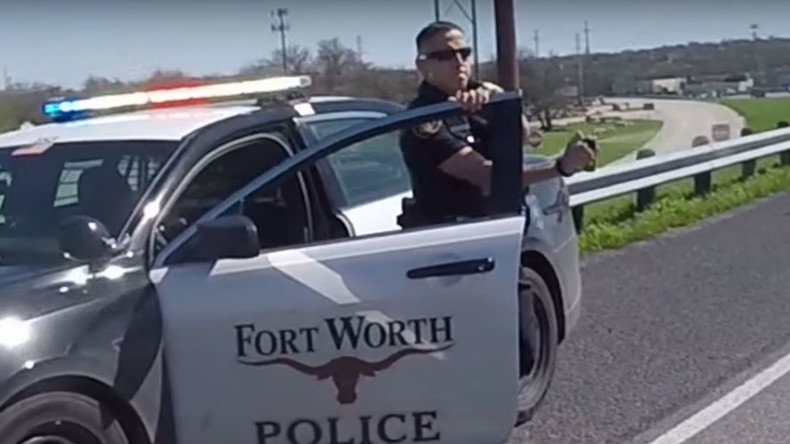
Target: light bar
229,89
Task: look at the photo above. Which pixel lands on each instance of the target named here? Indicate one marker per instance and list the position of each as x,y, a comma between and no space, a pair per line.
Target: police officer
448,159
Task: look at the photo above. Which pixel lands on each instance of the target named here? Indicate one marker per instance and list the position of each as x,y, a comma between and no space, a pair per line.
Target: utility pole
359,47
760,75
586,38
507,66
436,9
581,68
474,38
536,39
6,79
281,27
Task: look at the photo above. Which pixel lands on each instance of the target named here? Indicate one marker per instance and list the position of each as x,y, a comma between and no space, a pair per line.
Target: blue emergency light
62,110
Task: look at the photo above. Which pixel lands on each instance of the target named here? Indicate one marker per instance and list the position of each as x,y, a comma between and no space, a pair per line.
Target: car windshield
43,184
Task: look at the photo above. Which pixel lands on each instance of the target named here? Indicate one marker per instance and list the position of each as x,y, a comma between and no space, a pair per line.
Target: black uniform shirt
438,195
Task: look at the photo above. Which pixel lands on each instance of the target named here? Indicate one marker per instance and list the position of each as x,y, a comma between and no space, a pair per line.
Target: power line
472,19
282,27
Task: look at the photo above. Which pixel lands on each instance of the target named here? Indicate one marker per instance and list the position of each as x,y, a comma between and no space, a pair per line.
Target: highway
678,337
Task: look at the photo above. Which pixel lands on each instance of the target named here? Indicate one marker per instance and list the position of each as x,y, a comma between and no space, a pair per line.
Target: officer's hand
577,156
493,87
473,100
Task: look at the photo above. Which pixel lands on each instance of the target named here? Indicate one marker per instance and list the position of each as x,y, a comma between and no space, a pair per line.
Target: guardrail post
748,168
784,158
578,218
645,196
578,211
702,181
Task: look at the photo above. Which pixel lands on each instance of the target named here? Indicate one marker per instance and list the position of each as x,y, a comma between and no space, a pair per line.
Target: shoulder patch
427,129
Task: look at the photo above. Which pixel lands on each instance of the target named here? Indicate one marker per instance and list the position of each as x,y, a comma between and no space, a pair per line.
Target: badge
428,129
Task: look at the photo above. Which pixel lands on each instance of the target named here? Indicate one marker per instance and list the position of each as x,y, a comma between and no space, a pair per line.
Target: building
719,85
632,86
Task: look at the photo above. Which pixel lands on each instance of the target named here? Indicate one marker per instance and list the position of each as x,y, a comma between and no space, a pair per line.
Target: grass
761,114
615,223
614,141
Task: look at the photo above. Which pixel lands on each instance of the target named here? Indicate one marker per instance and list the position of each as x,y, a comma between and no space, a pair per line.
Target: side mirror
85,238
227,237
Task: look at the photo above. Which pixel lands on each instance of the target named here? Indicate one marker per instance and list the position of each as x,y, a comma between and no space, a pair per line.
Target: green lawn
624,207
761,113
614,141
614,224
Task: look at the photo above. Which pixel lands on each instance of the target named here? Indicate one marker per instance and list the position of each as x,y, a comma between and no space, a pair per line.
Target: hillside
766,60
338,70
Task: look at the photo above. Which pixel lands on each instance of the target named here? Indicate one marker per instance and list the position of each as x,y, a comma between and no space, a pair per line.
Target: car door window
5,184
226,174
366,171
280,217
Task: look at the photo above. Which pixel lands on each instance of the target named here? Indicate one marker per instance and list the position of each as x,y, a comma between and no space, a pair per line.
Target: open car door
402,336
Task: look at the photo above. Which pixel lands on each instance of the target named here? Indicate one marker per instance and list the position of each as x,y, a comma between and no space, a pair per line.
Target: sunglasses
447,54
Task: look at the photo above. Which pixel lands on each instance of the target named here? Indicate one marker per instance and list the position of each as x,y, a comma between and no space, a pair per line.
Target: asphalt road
683,120
672,325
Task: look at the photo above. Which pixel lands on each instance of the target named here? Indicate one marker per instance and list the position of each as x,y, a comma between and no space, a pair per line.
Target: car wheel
59,418
538,342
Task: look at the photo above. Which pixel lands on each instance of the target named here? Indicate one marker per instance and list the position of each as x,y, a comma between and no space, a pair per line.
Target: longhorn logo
346,371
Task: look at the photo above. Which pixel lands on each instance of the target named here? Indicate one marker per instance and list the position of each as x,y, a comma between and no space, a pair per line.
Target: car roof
165,124
171,124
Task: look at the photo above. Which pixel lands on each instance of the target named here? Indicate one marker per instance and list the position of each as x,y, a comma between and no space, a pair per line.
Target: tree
541,80
166,77
298,59
95,84
335,60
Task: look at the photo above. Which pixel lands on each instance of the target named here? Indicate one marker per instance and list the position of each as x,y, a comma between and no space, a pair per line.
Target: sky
63,42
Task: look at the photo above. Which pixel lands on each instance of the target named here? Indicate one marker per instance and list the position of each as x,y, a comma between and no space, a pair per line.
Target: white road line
724,405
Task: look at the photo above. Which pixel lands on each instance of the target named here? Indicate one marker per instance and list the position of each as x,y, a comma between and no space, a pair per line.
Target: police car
223,263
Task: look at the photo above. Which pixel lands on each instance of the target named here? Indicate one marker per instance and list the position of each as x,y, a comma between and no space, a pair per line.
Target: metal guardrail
612,181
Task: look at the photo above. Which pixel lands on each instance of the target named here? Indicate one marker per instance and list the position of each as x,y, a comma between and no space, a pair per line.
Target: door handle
474,266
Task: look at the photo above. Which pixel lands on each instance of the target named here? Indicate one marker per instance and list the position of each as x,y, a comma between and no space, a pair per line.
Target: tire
537,315
59,418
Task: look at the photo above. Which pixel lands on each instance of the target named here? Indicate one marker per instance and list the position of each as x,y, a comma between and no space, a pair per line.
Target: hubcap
60,432
48,440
